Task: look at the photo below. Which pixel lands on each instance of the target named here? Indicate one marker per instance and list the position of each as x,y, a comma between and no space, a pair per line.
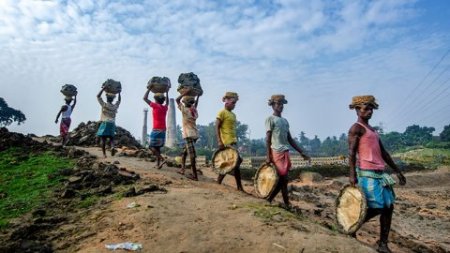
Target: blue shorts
157,138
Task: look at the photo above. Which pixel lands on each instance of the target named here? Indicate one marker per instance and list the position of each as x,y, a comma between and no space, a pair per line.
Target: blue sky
318,53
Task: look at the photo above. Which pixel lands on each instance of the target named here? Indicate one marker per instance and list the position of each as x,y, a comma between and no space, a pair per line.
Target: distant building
144,140
171,134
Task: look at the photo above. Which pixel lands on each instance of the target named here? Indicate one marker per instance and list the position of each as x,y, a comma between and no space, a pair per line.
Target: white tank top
67,113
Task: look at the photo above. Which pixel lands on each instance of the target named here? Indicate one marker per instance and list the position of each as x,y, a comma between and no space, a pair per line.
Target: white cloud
317,52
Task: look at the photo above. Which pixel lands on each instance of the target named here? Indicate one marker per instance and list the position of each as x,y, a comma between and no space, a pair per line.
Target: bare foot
181,172
191,177
160,166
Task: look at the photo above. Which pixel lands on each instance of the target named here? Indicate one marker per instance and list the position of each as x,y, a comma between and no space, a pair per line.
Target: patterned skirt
64,126
378,193
107,129
157,138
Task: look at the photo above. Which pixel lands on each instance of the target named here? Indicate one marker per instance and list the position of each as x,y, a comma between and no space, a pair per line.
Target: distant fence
297,161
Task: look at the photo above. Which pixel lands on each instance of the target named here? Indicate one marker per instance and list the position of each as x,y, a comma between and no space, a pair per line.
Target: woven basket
351,209
190,80
266,178
69,90
224,161
112,86
158,85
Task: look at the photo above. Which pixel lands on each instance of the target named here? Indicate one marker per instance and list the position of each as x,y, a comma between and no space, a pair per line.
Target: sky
317,53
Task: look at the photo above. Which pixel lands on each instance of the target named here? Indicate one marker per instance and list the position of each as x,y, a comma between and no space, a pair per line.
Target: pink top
159,113
369,151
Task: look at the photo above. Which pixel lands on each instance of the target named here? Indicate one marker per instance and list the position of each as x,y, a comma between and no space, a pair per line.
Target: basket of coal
69,90
112,87
159,84
189,81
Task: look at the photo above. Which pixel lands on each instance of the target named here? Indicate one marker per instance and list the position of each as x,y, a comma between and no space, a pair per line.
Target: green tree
257,147
392,141
416,135
241,132
9,115
445,134
315,145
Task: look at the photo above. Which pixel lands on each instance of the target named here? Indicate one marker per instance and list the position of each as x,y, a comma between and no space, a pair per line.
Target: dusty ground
206,217
202,217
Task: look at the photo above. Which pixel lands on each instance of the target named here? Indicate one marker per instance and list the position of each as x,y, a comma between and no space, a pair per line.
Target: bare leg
104,146
385,228
113,150
183,163
193,166
220,178
275,192
237,176
284,190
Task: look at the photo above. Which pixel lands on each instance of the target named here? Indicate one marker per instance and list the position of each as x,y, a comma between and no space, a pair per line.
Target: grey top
279,127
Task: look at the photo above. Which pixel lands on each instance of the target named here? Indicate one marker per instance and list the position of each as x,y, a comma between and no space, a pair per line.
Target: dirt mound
51,227
11,139
85,134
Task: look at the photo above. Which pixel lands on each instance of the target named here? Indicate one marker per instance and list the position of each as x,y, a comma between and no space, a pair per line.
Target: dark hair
160,100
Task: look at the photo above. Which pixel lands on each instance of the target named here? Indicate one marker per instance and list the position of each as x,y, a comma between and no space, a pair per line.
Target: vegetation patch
271,213
428,157
27,181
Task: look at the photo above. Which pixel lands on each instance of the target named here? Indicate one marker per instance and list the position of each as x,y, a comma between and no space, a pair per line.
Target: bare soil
206,217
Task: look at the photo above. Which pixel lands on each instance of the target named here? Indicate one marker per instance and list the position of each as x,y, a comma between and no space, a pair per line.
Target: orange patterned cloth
282,162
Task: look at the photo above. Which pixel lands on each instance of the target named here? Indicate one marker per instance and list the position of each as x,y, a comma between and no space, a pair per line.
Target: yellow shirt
228,126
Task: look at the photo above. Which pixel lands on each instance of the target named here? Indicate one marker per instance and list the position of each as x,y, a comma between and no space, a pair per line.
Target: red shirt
159,115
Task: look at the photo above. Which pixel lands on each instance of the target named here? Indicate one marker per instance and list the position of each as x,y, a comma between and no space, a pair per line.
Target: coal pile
85,134
12,139
92,178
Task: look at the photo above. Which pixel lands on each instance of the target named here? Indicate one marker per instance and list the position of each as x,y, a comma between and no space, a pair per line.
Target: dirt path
201,217
206,217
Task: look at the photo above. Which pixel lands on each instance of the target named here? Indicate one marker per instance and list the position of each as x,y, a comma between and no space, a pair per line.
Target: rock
85,134
130,193
39,212
151,188
68,193
431,205
74,179
318,212
277,218
105,191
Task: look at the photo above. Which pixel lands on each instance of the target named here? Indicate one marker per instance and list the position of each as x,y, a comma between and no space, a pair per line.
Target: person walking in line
278,141
188,107
367,158
158,134
107,128
226,133
66,112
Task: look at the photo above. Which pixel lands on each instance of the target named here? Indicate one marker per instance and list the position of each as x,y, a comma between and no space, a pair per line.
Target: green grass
25,182
267,212
89,201
431,157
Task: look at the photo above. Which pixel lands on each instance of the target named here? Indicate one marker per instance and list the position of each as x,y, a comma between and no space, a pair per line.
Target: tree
315,146
445,134
392,141
416,135
9,115
241,132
